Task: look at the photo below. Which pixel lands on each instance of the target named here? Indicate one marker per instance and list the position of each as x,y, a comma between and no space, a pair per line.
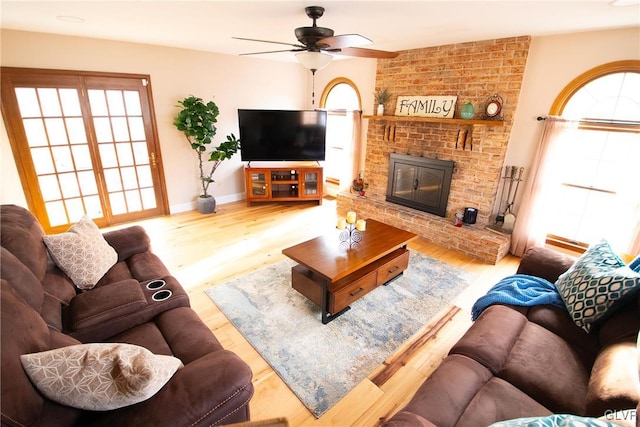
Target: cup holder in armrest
161,295
155,284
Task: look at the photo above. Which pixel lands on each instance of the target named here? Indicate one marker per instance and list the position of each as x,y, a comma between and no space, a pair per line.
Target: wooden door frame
15,131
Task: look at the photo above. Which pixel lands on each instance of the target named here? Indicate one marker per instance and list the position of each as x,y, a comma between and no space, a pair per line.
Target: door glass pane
28,102
93,207
118,205
49,102
133,200
76,131
56,131
112,179
57,213
132,102
70,102
42,161
49,188
129,179
87,182
136,127
120,129
115,102
81,157
62,159
103,129
108,156
125,156
69,185
34,129
98,103
75,208
140,153
148,198
144,176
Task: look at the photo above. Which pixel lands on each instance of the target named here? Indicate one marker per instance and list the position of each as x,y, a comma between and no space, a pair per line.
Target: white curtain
537,200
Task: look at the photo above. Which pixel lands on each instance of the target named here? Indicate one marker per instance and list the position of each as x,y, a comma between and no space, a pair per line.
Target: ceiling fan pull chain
313,87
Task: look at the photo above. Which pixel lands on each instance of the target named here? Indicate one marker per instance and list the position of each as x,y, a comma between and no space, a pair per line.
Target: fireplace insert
419,182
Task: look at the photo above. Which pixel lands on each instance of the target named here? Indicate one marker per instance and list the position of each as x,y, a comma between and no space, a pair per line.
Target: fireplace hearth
419,182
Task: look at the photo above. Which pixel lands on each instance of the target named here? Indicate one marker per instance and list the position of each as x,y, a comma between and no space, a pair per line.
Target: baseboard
220,200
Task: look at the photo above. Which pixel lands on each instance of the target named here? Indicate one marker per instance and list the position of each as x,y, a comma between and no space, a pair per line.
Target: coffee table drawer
343,297
394,267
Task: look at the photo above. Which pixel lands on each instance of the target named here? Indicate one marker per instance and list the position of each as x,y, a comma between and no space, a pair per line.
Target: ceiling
209,25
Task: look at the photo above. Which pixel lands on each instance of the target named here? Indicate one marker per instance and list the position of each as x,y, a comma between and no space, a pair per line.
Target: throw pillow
99,377
82,253
556,420
635,264
596,284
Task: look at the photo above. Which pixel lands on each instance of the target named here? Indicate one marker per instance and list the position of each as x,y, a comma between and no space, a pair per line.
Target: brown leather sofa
517,362
42,310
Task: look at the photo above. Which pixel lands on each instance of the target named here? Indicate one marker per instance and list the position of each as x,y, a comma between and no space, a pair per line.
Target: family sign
426,106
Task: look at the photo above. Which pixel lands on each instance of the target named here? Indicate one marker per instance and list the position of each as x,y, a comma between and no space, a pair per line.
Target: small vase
380,109
467,111
206,205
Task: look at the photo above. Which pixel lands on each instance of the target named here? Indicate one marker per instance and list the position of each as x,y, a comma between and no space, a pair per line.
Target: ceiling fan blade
274,51
365,53
269,41
344,40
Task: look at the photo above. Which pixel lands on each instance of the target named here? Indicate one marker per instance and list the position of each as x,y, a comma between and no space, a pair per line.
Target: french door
84,143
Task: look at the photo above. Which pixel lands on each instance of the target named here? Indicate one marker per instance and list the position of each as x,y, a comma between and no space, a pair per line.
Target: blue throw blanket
519,289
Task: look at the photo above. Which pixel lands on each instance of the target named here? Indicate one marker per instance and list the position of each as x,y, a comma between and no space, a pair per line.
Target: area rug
322,363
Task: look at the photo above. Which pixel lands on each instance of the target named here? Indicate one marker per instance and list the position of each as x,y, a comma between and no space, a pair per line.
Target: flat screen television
275,135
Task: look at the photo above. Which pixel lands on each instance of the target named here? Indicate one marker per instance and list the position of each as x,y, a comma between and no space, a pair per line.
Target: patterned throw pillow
99,377
596,284
82,253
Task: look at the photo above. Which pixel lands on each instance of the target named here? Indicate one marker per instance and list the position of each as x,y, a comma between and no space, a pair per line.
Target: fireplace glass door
420,183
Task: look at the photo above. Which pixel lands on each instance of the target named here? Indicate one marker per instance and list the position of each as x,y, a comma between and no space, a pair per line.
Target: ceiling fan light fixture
314,61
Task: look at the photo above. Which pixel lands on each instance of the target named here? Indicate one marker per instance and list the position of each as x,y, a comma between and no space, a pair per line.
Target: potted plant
197,121
382,98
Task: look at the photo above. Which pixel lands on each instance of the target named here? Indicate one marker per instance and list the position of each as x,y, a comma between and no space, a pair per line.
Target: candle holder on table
351,231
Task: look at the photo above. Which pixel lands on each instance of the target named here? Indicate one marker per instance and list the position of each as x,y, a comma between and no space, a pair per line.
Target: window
84,143
597,194
342,101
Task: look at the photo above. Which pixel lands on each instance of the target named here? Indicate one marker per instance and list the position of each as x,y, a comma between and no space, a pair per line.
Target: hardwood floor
205,250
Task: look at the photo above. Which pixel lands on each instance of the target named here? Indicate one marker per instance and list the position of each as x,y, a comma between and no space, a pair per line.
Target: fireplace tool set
506,219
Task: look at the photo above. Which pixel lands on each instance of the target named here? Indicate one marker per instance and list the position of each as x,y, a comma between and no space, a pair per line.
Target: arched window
342,101
597,195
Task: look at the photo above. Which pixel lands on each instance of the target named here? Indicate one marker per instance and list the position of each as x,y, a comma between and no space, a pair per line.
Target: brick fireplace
473,71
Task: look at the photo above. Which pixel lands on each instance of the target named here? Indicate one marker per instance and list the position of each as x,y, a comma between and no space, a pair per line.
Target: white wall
231,81
553,62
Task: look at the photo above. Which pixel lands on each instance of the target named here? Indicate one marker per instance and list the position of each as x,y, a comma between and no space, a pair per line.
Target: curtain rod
593,121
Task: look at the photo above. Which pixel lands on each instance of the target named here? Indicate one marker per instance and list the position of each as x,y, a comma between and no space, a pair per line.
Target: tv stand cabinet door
258,183
311,184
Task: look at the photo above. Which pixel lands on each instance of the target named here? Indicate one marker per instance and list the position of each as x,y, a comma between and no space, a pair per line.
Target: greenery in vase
197,121
382,97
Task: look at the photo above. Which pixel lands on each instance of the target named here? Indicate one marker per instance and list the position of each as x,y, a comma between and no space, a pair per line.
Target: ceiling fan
314,42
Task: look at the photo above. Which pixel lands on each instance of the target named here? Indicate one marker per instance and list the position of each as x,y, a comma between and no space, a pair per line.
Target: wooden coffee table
333,277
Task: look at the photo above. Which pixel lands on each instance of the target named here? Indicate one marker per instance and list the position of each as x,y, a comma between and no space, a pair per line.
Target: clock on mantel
493,108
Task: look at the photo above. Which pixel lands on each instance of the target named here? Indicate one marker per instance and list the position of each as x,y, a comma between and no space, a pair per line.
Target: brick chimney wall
473,71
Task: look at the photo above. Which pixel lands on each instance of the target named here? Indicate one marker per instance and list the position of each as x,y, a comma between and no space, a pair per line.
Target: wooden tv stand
287,182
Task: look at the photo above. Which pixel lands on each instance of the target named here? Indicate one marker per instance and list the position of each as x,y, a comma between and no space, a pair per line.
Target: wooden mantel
436,120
